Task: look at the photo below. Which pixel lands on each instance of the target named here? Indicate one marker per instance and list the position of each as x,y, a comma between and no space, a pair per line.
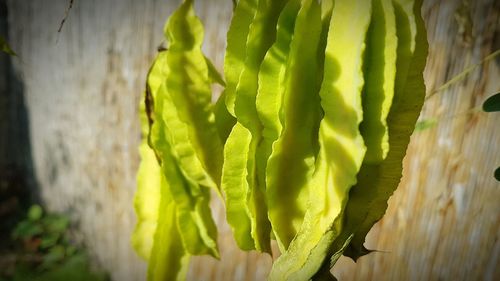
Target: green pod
291,163
341,149
156,233
271,82
156,76
213,74
197,228
194,220
380,71
223,119
188,154
188,112
234,61
236,189
198,232
377,182
173,196
148,194
236,49
169,260
261,35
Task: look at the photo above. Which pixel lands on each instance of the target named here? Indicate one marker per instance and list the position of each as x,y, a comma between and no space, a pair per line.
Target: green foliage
35,213
49,227
492,103
4,47
60,268
44,251
425,124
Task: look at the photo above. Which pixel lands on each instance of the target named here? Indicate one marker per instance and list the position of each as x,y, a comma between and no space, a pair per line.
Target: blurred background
69,136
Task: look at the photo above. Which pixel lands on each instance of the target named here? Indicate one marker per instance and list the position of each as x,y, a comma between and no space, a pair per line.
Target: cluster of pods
305,144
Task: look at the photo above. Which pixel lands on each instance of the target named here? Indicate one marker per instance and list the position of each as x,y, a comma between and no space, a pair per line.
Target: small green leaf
55,224
35,213
497,174
492,103
70,250
49,240
75,268
26,229
55,255
425,124
6,48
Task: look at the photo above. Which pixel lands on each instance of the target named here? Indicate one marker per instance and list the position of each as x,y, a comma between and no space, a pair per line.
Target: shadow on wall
17,182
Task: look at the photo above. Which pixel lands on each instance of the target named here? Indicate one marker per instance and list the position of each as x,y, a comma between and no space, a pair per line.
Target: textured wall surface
82,87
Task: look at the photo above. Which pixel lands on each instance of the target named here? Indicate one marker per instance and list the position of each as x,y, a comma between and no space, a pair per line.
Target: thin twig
66,14
462,75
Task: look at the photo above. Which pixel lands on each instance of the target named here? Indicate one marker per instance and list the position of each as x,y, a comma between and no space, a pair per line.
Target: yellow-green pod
155,237
291,163
341,149
169,260
188,154
197,228
261,35
236,189
380,71
148,194
271,83
188,112
236,49
377,182
223,119
194,220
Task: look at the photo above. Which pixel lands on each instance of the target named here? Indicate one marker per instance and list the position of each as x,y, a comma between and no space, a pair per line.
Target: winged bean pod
260,39
237,35
291,163
378,182
189,113
341,149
